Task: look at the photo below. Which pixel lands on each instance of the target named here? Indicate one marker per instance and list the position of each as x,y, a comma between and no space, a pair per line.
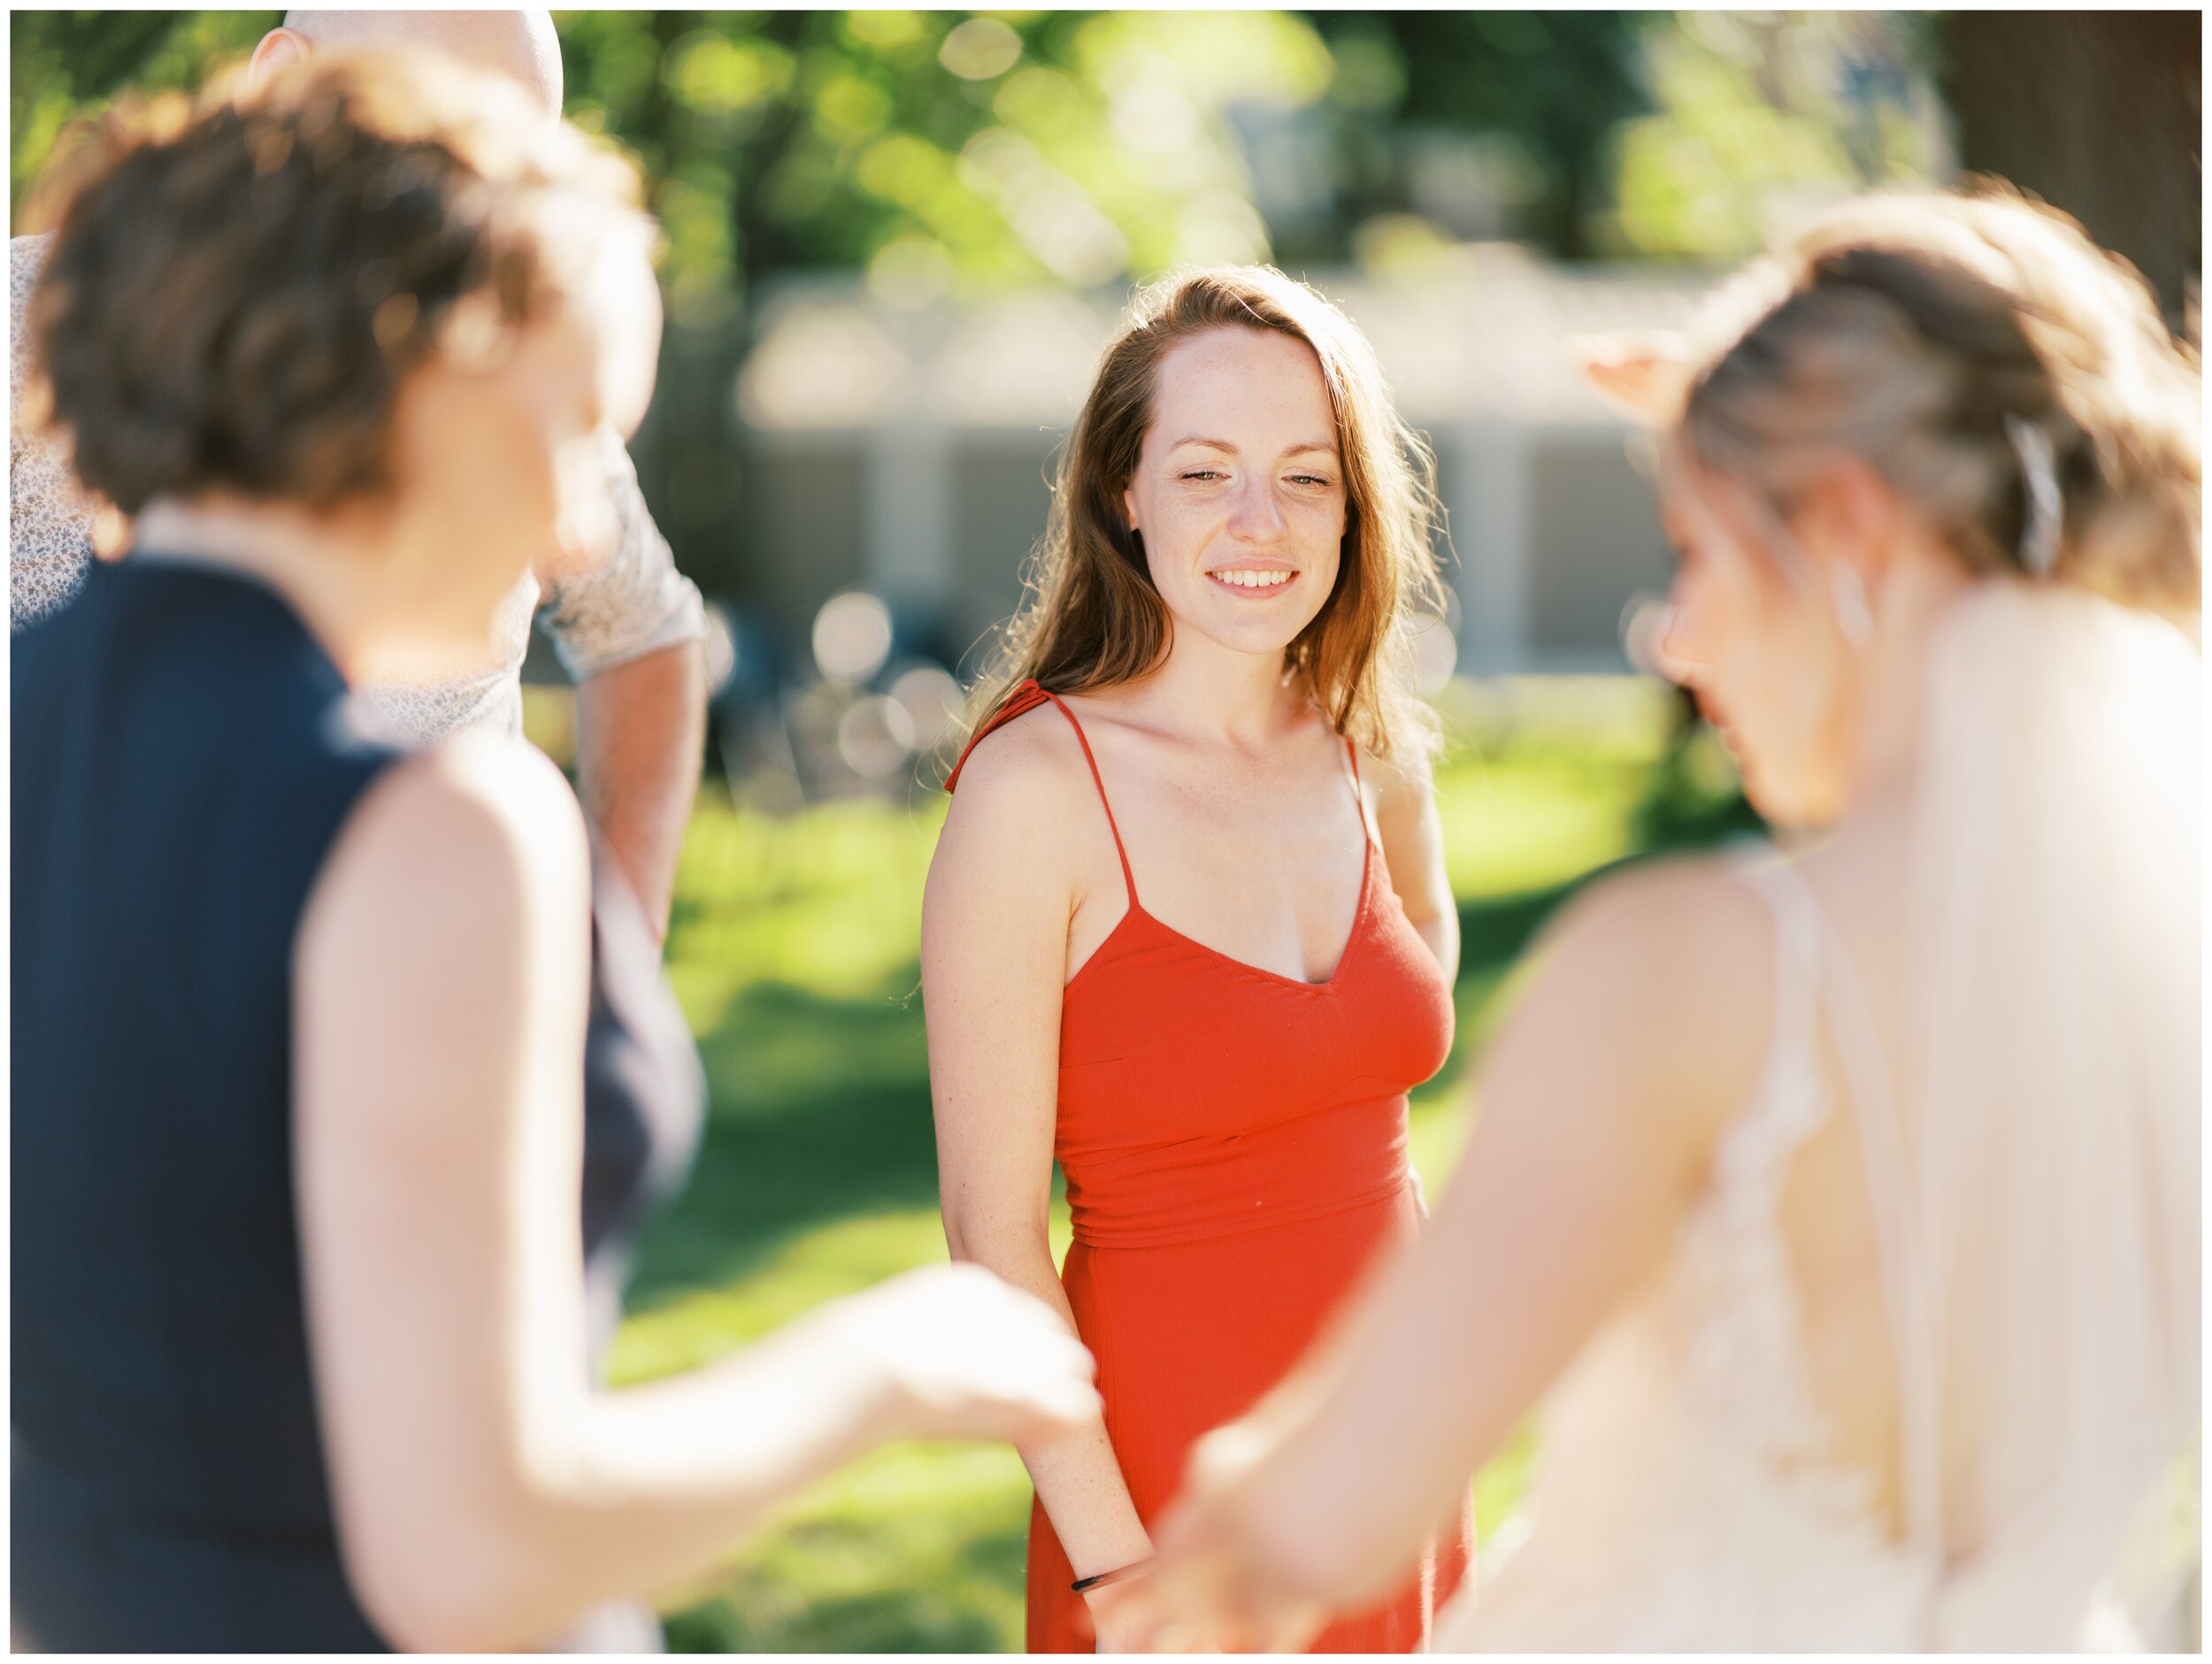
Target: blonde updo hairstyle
1906,327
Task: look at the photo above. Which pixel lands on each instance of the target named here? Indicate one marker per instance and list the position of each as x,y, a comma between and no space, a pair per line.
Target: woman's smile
1254,582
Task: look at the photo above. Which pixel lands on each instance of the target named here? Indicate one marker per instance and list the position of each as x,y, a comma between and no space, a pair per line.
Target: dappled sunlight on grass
794,950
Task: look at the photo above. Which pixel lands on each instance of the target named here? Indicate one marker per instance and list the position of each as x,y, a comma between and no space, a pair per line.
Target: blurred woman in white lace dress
1842,1209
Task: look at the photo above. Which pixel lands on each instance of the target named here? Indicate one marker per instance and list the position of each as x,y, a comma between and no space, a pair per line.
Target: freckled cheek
1179,531
1328,517
1182,530
1173,544
1319,529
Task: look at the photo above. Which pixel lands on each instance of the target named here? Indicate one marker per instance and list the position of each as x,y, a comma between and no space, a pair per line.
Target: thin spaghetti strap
1759,866
1359,792
1127,877
1022,700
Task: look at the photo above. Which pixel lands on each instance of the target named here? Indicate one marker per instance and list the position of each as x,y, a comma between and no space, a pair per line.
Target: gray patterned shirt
633,602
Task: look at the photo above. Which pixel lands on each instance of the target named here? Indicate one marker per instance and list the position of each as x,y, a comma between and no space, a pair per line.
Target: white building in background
908,449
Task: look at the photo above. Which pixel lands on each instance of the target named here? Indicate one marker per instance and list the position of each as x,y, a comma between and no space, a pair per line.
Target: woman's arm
641,735
628,628
1597,1108
995,943
1413,836
486,1494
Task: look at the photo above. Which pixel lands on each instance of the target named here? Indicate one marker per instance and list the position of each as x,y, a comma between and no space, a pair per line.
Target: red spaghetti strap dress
1234,1144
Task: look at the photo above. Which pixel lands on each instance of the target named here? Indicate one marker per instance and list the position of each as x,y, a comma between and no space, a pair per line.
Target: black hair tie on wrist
1098,1580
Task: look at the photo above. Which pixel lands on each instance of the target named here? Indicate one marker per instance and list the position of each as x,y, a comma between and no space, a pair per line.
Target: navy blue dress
183,760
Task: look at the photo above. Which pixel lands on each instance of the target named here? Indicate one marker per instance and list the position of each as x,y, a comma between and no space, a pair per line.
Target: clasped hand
1208,1589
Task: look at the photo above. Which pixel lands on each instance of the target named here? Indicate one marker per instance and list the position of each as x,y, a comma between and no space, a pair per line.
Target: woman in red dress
1136,952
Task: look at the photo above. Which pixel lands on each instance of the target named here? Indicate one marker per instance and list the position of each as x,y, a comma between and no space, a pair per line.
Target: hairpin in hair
2039,538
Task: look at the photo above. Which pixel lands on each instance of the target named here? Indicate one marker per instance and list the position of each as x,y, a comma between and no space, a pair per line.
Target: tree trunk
2100,114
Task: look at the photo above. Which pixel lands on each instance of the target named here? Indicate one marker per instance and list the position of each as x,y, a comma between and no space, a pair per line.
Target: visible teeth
1254,580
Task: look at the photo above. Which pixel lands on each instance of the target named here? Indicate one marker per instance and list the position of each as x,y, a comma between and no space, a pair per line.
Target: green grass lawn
793,951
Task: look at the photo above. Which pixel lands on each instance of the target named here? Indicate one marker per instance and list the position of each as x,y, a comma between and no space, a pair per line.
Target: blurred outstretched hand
961,1354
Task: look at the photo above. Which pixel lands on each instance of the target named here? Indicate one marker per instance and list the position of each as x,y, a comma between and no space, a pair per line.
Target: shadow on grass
954,1607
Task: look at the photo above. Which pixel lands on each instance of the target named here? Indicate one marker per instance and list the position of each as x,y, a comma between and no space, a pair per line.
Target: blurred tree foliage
989,149
1757,113
996,147
936,151
1532,98
928,148
62,61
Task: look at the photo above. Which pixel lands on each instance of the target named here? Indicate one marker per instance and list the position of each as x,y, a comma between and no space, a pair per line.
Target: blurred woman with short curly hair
300,1309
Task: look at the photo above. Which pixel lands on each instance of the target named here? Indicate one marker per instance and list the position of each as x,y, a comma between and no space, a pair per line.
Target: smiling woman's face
1239,493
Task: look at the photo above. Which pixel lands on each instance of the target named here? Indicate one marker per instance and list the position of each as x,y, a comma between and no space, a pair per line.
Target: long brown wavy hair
1093,617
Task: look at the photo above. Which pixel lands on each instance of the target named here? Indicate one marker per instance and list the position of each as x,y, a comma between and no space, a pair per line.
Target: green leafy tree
972,151
1757,111
1541,93
1620,135
62,61
986,150
930,149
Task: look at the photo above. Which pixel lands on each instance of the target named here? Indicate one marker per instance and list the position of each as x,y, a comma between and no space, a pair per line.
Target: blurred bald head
520,45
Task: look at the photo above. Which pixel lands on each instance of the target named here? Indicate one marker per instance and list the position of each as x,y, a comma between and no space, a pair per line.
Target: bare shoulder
482,828
1406,780
1024,842
1690,916
1690,899
1027,775
1672,960
485,797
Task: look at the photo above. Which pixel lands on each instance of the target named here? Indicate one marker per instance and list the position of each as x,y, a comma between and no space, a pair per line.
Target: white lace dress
1686,1498
1683,1500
